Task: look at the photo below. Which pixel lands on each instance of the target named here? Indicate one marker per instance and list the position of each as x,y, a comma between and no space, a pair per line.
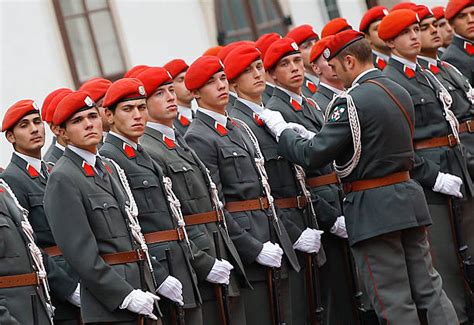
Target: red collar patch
433,68
258,120
88,169
409,72
221,129
169,142
381,63
295,104
32,171
183,120
311,86
469,47
129,151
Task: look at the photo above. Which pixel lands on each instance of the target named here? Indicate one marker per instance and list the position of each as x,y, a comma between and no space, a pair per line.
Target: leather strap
291,202
467,126
53,251
446,141
318,181
124,257
248,205
164,236
19,280
200,218
367,184
399,105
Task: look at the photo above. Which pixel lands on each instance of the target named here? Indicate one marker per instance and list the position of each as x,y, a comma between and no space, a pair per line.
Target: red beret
96,88
152,78
438,12
239,59
16,112
319,48
201,70
47,101
134,71
54,105
229,47
423,12
335,26
213,51
302,33
372,15
404,5
456,6
71,104
396,22
279,49
123,90
175,67
264,42
340,41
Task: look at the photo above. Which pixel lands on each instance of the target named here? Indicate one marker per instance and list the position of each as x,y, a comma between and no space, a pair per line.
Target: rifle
221,290
178,312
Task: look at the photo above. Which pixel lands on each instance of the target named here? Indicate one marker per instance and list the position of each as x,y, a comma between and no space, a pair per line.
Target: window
332,9
248,19
90,39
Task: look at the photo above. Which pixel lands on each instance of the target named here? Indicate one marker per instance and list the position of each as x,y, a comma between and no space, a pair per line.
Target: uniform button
450,88
184,168
145,183
234,153
422,100
127,202
105,205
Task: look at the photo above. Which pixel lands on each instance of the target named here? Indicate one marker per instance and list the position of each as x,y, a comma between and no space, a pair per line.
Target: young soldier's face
305,49
445,31
463,23
28,134
429,36
289,72
215,93
252,81
408,43
322,69
182,93
373,36
129,118
84,129
162,105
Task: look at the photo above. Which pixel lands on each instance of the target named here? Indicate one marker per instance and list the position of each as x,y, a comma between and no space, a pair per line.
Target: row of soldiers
236,212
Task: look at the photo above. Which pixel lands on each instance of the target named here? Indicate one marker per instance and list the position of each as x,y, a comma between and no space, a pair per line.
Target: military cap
229,47
213,51
395,22
404,5
239,59
54,105
335,26
96,88
47,101
152,78
278,50
123,90
340,41
319,47
175,67
134,71
302,34
423,12
201,70
372,15
74,102
438,12
264,42
17,111
456,6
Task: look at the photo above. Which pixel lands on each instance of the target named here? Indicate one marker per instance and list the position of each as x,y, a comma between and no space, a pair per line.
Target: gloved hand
339,227
220,272
448,184
140,302
301,130
309,241
274,121
75,298
270,255
172,289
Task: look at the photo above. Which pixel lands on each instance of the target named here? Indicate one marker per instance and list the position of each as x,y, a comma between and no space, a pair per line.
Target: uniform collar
219,118
463,38
186,112
59,146
270,84
165,130
381,55
231,93
257,109
404,61
293,95
88,156
429,60
331,88
360,76
35,162
312,78
124,139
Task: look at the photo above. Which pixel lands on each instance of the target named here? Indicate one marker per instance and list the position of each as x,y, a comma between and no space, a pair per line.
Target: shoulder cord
260,163
470,91
216,202
34,250
345,170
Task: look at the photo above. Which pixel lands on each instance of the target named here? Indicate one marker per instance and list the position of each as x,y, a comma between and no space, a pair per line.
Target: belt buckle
301,202
261,200
180,233
470,128
451,140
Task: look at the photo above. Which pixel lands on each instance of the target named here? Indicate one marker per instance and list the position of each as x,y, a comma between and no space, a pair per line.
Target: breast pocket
38,222
10,241
183,180
278,169
237,165
422,104
106,218
145,187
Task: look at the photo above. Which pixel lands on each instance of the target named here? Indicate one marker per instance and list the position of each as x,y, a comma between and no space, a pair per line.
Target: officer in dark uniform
369,137
369,25
440,166
27,175
191,184
229,154
460,53
93,219
262,44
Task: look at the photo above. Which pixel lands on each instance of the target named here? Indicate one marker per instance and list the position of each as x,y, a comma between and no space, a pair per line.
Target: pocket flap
232,152
143,181
35,199
103,202
180,166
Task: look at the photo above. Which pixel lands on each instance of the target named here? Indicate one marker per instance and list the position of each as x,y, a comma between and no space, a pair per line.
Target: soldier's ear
109,115
10,137
196,94
390,44
315,68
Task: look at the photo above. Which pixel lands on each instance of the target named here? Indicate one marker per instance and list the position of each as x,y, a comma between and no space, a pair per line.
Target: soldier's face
430,39
214,94
463,23
251,82
27,135
84,129
289,73
373,37
322,69
408,43
162,106
445,31
129,118
182,93
341,71
305,49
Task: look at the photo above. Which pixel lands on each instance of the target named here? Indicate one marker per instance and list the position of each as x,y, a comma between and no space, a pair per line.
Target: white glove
50,308
309,241
448,184
301,130
140,302
75,298
220,272
172,289
274,121
339,227
270,255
